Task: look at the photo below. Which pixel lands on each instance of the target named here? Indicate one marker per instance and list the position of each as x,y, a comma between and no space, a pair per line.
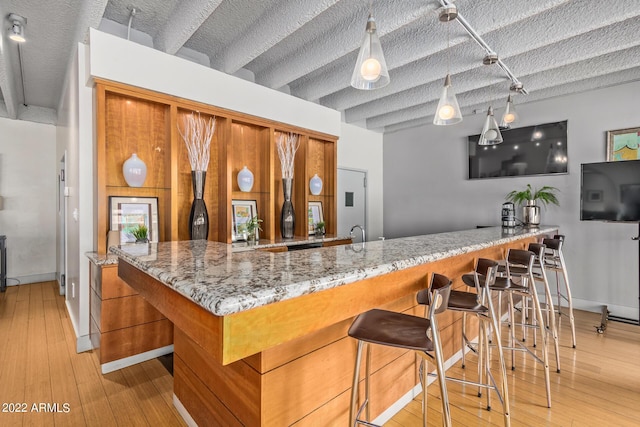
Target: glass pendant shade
490,134
134,171
315,185
371,70
510,115
448,111
245,180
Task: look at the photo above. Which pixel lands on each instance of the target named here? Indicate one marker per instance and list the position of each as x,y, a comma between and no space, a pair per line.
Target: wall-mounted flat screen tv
532,150
610,191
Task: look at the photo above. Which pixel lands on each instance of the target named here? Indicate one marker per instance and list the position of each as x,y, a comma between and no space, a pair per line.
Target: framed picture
242,211
315,215
127,213
622,144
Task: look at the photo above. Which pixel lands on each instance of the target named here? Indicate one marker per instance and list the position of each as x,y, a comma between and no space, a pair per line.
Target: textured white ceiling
309,47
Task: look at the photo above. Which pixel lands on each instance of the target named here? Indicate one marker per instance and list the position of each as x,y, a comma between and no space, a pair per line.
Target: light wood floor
599,384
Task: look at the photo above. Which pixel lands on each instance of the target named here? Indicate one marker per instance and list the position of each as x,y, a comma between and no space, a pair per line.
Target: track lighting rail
516,85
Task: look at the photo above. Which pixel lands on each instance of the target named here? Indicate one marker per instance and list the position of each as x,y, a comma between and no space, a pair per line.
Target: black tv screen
532,150
610,191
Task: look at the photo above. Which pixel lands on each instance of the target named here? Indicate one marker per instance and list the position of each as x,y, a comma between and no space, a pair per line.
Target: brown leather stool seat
406,331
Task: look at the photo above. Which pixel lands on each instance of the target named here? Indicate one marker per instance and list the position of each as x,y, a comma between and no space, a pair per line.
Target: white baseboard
33,278
83,344
183,412
138,358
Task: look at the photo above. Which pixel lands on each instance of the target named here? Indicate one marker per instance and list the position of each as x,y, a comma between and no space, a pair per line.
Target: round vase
134,171
315,185
245,180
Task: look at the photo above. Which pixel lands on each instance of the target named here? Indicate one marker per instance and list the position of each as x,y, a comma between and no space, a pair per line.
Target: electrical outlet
73,290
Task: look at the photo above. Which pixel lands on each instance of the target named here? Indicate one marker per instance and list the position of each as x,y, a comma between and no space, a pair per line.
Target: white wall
120,60
426,190
74,140
361,149
28,183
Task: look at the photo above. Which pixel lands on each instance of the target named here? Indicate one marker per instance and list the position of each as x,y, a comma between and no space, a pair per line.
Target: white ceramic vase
134,171
315,185
245,180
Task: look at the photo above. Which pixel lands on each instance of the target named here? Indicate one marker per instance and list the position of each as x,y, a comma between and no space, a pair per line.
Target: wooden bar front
291,362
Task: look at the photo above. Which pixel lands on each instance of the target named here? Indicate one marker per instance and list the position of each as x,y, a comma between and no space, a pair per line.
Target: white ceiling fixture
16,30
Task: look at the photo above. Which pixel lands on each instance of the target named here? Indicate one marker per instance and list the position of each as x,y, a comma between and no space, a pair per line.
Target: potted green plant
141,234
319,229
251,229
529,197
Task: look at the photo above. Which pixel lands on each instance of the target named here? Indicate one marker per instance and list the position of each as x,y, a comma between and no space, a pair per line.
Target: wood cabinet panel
134,340
114,287
125,312
135,125
132,120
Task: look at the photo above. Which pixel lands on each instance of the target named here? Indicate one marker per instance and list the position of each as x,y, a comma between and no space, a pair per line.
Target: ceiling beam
185,20
89,17
580,86
276,25
597,67
344,37
560,17
612,38
7,81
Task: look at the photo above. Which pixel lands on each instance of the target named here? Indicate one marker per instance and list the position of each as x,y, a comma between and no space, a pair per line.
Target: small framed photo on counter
242,211
127,213
315,215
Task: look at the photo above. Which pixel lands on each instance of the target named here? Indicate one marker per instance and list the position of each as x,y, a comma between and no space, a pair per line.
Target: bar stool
554,261
403,331
519,280
547,307
481,304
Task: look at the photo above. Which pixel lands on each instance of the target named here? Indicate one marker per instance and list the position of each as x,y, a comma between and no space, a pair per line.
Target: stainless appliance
508,215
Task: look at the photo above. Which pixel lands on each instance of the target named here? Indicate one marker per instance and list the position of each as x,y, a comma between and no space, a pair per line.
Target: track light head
447,13
490,58
16,30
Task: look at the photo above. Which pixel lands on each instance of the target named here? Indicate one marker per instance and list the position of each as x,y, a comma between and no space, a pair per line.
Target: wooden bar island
260,338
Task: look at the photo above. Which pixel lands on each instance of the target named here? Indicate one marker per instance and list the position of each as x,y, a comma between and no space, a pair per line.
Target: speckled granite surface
224,282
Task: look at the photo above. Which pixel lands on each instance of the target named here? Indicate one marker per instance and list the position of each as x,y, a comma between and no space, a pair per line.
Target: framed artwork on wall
242,211
622,144
315,216
127,213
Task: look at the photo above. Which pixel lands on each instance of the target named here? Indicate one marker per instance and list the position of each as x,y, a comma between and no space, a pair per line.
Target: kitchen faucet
361,229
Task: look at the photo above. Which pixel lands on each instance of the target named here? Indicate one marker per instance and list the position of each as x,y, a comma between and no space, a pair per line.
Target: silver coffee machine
508,215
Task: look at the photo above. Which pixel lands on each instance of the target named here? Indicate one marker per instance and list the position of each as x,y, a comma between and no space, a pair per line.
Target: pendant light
510,115
448,111
490,134
371,70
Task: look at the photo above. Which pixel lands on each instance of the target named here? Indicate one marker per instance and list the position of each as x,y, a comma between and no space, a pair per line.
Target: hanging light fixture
490,134
510,115
448,111
371,70
16,31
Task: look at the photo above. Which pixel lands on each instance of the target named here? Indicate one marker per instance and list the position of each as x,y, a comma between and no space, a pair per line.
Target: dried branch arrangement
197,137
287,146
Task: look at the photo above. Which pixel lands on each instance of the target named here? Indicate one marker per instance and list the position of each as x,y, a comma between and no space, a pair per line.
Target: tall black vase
198,217
288,216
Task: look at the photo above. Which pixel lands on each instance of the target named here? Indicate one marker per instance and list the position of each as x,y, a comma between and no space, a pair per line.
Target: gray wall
426,190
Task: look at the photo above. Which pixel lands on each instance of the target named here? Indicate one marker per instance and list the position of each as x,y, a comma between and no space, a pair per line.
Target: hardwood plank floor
599,383
39,365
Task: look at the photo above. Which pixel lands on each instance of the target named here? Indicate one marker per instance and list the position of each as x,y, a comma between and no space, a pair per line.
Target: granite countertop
224,282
